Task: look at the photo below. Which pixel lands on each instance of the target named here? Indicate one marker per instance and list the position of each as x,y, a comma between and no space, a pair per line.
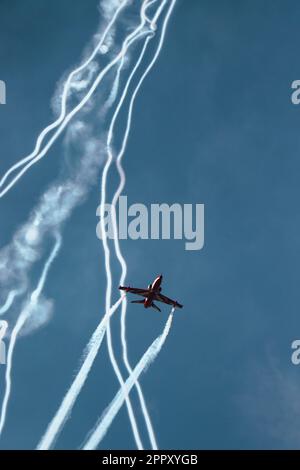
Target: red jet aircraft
152,293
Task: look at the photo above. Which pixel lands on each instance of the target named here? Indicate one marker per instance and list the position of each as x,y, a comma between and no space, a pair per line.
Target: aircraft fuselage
155,287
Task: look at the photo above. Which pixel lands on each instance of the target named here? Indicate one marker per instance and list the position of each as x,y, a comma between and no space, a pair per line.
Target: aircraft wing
135,290
166,300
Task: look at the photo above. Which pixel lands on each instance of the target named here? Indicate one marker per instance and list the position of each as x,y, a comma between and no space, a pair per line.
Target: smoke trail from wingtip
64,410
106,249
110,347
65,94
62,414
114,222
62,214
24,315
102,426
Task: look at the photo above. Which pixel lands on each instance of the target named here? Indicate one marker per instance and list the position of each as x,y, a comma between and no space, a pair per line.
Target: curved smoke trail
10,300
24,316
64,97
89,358
55,206
101,428
107,250
20,254
115,86
66,406
126,44
114,221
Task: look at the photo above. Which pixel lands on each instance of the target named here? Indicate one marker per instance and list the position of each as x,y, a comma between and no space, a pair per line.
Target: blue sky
213,124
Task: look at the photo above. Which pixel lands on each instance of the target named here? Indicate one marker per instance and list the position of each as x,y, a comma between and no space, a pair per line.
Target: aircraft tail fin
155,306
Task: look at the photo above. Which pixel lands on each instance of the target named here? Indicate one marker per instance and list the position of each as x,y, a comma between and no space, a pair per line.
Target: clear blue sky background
214,124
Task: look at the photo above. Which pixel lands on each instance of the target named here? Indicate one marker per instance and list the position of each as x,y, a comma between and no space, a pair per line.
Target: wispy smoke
40,314
53,209
29,307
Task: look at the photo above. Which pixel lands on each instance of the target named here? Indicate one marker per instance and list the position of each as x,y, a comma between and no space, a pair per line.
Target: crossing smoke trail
58,201
126,44
114,222
70,82
64,411
52,211
25,248
110,136
113,360
117,194
54,208
115,87
107,260
101,428
24,316
56,424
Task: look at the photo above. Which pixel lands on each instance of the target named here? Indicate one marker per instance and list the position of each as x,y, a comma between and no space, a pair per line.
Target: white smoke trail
53,209
56,205
114,221
10,300
115,87
63,413
25,247
138,32
101,428
24,315
106,247
66,90
64,410
58,194
148,19
110,347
